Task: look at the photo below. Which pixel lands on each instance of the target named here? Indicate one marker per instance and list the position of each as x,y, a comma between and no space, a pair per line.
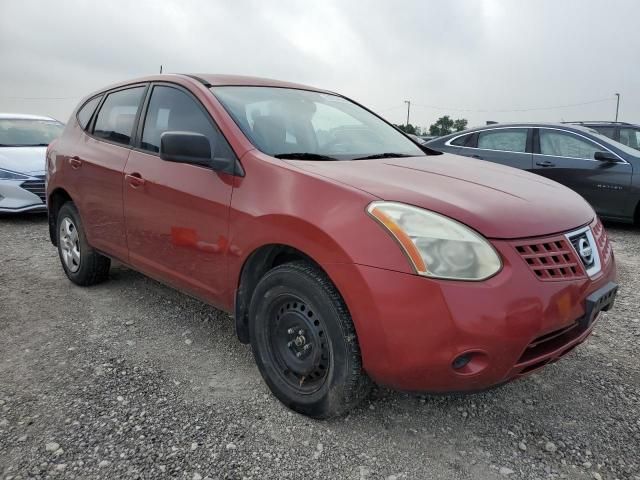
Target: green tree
460,124
412,129
446,125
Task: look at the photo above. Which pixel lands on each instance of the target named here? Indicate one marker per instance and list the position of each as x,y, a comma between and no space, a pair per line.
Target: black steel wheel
298,345
304,341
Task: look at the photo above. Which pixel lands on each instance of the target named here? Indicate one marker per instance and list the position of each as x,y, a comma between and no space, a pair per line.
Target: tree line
443,126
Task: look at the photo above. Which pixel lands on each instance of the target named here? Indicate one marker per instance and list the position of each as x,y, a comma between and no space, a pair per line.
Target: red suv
345,251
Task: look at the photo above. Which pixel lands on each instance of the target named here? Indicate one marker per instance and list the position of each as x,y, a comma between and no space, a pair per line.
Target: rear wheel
304,342
81,263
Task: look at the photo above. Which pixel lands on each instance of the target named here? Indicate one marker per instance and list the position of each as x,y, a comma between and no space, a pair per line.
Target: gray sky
472,58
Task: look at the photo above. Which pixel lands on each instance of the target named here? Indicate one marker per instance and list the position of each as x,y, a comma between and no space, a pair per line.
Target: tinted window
630,137
84,115
461,141
117,115
564,144
606,131
173,110
508,140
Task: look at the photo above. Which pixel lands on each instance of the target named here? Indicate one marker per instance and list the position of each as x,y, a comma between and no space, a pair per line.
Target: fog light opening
461,361
470,363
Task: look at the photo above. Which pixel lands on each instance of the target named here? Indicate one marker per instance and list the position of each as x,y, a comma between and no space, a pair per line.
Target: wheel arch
56,199
259,262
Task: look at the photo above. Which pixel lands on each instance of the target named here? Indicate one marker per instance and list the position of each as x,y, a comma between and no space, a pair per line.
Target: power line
529,109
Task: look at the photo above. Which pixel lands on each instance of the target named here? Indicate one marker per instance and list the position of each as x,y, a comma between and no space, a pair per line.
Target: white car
23,144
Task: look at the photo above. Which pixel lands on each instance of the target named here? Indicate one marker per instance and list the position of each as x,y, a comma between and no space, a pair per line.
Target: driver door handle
545,163
75,162
135,179
479,157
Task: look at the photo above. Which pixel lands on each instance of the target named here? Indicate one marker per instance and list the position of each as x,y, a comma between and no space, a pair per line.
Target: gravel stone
65,358
51,446
550,447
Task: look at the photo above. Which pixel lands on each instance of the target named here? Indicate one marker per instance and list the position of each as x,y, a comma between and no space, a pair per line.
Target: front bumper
411,329
22,195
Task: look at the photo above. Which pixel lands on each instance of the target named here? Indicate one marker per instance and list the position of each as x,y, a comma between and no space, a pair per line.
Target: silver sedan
23,144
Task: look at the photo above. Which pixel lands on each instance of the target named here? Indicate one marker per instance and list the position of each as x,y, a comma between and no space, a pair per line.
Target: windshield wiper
24,144
303,156
384,155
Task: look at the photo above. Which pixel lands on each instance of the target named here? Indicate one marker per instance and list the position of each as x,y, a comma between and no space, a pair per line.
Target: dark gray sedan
606,173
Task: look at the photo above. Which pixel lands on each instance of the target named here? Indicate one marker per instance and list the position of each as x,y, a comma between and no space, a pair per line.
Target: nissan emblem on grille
585,251
584,244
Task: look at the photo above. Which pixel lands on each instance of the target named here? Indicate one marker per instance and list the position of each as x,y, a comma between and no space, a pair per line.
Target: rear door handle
135,179
75,162
545,163
477,156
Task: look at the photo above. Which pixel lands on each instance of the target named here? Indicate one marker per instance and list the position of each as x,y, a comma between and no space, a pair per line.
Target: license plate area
600,301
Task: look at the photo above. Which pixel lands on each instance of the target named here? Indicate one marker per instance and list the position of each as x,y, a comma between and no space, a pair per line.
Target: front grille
37,187
604,245
550,258
550,342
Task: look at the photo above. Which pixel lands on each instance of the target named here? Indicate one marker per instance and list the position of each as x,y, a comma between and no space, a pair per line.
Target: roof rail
585,122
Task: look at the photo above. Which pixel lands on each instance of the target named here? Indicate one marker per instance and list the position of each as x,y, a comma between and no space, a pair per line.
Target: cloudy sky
477,59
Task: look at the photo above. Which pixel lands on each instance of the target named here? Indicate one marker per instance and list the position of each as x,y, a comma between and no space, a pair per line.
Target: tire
82,264
304,342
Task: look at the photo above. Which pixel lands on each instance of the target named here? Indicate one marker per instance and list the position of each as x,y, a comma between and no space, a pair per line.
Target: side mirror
606,157
185,147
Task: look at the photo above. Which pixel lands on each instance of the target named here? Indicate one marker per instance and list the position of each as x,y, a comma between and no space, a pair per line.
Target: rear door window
85,113
117,115
504,140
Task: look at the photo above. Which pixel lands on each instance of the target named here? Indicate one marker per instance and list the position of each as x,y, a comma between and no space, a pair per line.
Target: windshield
620,146
310,125
15,132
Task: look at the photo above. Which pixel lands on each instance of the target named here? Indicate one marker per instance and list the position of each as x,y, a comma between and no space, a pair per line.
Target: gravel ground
130,379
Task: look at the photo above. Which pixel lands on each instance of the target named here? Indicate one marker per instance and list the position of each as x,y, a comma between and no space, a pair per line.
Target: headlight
8,175
437,246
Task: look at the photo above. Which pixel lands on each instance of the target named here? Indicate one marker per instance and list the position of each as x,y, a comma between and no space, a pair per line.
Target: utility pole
408,102
160,68
617,105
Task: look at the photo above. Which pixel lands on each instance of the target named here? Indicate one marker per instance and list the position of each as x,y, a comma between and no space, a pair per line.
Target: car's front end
22,192
443,335
23,144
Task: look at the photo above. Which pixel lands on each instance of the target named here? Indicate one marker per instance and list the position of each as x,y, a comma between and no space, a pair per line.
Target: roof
217,80
24,116
564,126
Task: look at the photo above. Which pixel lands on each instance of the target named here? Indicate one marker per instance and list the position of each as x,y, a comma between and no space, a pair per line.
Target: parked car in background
603,171
23,143
345,251
625,133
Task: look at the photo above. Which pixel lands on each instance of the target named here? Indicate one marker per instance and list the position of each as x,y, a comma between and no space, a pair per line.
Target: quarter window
564,144
461,141
117,115
171,109
630,137
507,140
85,113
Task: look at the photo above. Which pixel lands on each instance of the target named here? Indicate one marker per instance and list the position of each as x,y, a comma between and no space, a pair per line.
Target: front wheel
304,342
81,263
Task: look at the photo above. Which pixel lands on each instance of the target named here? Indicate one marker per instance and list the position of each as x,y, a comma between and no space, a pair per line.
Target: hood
27,160
497,201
